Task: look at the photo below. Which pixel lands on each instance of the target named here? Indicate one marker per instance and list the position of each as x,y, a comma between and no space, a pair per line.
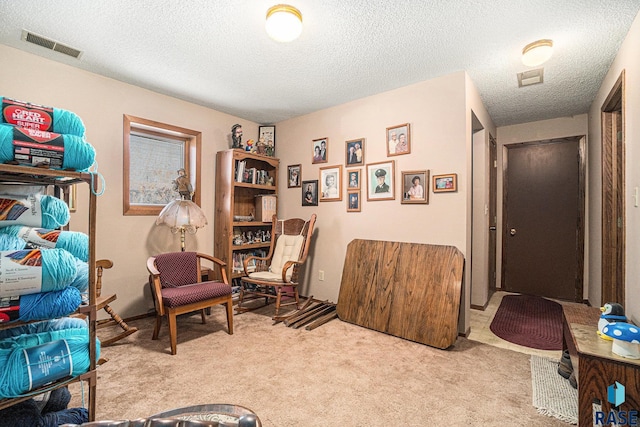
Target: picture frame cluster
376,179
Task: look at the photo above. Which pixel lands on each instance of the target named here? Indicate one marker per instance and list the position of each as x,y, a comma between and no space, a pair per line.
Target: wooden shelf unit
237,199
61,182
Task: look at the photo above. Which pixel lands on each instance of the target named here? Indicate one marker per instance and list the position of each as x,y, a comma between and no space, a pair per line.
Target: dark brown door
543,216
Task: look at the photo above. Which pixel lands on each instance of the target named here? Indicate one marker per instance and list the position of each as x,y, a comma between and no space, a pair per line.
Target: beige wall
627,59
438,111
101,102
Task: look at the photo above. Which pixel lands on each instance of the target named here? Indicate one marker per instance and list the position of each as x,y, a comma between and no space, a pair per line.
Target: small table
596,366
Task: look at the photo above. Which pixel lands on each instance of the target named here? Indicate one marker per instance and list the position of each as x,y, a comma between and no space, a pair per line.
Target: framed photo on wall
354,154
380,182
330,183
310,193
445,183
294,176
353,201
398,140
353,179
320,150
267,136
415,187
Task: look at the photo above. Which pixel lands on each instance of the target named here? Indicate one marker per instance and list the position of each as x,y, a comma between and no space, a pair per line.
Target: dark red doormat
529,321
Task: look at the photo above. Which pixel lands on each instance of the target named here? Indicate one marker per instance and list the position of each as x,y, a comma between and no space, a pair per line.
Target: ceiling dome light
537,53
284,23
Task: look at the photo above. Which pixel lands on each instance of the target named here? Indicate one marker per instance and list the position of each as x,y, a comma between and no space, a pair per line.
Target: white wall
627,59
101,102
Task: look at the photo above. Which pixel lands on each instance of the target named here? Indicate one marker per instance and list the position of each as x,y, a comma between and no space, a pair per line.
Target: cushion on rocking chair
288,248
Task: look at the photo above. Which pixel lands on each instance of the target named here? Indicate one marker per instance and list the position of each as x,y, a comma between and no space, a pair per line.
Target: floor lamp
183,216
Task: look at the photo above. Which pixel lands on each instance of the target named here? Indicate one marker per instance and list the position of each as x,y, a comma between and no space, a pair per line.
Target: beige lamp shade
182,215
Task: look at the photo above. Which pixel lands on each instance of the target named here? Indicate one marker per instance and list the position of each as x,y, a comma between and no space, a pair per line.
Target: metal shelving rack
61,181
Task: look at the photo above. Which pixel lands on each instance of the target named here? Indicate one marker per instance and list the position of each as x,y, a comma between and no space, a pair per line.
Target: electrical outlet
321,275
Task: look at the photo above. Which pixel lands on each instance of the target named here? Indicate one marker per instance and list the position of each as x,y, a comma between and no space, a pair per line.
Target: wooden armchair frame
280,285
173,312
102,302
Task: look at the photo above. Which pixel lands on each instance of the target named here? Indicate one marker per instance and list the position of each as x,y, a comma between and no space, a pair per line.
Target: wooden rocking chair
102,302
276,275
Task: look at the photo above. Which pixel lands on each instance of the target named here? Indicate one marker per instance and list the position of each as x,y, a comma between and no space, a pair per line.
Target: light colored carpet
552,394
336,375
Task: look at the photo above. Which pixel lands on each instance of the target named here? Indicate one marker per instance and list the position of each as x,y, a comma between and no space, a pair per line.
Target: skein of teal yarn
79,155
10,242
63,121
81,281
44,326
58,268
37,338
48,305
15,377
55,212
75,242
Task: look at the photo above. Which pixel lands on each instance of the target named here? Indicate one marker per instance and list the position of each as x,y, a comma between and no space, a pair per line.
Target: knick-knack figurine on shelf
626,339
182,185
236,136
611,312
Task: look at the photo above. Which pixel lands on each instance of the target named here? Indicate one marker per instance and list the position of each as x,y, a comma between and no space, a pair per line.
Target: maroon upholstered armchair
175,280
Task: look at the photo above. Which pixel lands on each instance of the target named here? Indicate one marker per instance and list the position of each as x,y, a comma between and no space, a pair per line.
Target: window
153,154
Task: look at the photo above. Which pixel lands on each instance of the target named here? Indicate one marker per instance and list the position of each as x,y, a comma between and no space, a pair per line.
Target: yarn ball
55,212
63,121
48,305
75,242
81,281
10,243
79,155
45,326
58,268
15,377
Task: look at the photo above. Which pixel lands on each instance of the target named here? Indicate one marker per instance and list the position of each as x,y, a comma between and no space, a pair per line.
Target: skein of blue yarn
79,155
48,305
75,242
14,378
58,268
63,121
45,326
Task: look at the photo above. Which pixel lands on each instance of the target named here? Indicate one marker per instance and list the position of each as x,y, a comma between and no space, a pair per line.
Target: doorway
613,206
543,218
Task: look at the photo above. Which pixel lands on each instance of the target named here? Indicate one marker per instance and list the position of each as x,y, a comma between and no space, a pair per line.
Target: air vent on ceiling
50,44
531,77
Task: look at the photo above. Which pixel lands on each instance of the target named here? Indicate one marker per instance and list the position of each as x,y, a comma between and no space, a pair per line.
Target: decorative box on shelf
266,207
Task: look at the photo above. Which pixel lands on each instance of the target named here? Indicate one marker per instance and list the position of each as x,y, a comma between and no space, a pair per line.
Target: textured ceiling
217,54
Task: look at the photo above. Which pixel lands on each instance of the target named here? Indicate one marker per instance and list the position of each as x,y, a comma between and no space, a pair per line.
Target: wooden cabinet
237,231
60,182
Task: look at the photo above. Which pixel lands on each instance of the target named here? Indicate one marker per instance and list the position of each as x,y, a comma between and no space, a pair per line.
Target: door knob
492,228
512,231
